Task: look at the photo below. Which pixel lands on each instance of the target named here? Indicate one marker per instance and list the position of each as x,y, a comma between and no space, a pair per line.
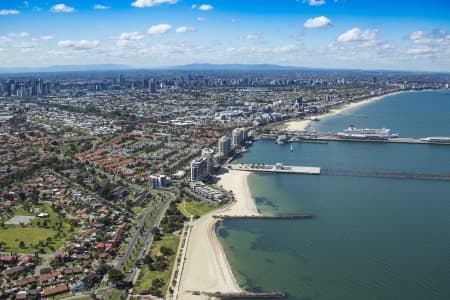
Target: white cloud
185,29
62,8
159,29
122,43
131,36
5,12
79,45
18,34
430,44
126,39
101,7
357,35
201,19
46,37
194,6
421,50
318,22
150,3
315,2
205,7
419,37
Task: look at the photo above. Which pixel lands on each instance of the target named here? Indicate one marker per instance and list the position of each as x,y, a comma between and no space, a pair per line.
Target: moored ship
282,139
366,133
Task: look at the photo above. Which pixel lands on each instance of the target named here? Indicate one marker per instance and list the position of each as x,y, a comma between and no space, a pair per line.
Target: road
147,239
136,237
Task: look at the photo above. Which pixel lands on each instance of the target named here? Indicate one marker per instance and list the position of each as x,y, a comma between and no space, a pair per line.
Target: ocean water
372,238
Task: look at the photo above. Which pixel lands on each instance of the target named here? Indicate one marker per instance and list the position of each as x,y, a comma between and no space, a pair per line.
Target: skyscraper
199,169
224,146
208,153
238,137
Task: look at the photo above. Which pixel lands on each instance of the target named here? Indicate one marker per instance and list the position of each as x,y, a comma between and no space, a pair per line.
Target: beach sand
302,125
206,267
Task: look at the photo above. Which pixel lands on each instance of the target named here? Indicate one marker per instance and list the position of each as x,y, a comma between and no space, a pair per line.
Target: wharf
278,168
244,295
328,138
279,217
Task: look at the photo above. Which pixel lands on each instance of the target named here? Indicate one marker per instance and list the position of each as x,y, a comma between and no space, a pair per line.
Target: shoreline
206,267
302,125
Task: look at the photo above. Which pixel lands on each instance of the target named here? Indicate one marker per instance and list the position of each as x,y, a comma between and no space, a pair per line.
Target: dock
324,138
394,174
243,295
393,140
278,168
262,217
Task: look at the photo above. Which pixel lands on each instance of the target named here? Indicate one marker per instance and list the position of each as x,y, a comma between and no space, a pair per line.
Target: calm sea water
372,238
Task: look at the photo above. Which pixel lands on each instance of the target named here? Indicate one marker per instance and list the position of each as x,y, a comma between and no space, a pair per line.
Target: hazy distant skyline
397,35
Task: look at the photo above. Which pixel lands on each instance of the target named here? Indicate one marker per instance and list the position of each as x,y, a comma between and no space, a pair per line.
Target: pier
393,140
262,217
387,174
278,168
394,174
324,138
244,295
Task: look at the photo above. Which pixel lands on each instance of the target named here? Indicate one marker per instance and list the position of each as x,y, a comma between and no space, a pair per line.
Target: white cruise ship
366,134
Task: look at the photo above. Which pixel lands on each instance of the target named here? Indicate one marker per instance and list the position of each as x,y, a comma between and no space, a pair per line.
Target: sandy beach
206,268
302,125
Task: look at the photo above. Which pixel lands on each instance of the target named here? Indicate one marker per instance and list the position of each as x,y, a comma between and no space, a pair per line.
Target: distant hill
237,67
67,68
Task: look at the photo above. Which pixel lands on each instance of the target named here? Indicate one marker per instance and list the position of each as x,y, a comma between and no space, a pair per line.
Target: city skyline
156,33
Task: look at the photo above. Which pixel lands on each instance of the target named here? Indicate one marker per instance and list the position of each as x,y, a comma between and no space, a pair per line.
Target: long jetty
394,174
387,174
392,140
262,217
278,168
302,138
244,295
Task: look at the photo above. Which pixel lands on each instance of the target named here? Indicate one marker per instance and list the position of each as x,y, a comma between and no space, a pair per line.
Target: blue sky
382,34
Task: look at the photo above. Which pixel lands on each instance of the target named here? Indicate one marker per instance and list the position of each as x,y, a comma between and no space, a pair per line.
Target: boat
294,139
354,133
282,139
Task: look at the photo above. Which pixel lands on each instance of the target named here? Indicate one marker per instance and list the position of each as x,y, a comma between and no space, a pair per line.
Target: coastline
302,125
206,267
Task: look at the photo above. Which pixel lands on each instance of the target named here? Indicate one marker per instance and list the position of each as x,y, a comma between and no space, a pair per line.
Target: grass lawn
195,208
114,295
56,228
147,276
137,210
13,235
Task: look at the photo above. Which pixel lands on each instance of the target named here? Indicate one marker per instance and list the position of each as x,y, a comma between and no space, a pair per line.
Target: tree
22,245
148,260
115,275
165,251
